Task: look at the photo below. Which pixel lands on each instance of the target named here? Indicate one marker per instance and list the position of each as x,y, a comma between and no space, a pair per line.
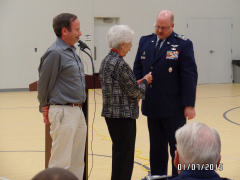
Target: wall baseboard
14,90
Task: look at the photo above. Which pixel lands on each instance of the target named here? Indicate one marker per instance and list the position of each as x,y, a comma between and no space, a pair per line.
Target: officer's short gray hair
198,144
118,34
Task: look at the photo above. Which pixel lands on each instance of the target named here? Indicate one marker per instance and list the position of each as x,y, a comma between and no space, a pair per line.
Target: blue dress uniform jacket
174,74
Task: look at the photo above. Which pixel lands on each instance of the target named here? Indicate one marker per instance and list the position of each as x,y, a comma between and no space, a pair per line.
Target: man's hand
189,112
45,110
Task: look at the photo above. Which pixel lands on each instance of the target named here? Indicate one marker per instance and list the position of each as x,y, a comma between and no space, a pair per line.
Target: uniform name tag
172,55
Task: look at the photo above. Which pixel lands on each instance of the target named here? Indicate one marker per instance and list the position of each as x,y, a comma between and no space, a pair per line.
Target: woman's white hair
198,144
118,34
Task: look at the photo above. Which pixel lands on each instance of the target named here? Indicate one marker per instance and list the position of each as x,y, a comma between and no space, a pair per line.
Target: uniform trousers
123,134
68,132
162,133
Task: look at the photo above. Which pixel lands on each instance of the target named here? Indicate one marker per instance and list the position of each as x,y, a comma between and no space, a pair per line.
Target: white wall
27,24
140,15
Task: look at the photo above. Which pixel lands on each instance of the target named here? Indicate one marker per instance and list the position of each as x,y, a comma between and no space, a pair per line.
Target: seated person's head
55,174
197,145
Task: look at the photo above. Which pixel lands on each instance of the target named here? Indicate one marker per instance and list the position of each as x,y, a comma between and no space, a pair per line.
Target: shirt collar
167,39
61,44
115,50
163,40
160,45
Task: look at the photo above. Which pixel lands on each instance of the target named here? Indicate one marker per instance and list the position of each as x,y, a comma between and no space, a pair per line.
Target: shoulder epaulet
149,35
181,37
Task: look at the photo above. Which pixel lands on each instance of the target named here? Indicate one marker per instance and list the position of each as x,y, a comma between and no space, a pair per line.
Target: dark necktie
157,48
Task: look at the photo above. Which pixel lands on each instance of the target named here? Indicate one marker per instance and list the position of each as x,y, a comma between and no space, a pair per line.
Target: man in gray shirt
61,92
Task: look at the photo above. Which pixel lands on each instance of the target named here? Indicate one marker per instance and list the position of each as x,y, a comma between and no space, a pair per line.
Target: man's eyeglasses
161,28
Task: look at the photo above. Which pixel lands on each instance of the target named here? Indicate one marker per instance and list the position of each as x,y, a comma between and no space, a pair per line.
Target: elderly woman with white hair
120,92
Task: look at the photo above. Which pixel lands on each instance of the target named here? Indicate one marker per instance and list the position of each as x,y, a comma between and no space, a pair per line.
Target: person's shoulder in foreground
198,174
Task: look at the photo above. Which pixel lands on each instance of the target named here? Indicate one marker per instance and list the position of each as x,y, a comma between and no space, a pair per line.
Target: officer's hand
45,110
148,77
189,112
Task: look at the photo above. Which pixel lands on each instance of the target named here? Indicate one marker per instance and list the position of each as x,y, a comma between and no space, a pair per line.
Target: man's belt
73,104
70,104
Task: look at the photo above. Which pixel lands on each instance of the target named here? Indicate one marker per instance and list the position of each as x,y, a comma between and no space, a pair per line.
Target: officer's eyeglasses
161,28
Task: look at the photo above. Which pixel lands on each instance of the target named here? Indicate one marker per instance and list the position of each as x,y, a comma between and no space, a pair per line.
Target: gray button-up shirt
61,76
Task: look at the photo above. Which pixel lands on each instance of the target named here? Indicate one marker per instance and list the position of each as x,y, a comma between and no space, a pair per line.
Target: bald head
164,24
167,15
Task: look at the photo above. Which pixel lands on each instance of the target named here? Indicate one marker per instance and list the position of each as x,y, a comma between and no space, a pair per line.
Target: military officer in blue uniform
170,98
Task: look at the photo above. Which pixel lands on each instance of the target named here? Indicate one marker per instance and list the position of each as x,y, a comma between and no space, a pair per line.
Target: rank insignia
172,55
143,55
181,37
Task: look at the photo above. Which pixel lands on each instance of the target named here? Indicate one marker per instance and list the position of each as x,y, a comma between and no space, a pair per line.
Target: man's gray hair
198,144
118,34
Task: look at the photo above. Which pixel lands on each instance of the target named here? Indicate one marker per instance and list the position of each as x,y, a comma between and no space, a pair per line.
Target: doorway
101,48
212,47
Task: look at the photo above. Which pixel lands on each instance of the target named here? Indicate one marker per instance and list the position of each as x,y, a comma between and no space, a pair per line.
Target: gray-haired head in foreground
118,34
55,174
198,144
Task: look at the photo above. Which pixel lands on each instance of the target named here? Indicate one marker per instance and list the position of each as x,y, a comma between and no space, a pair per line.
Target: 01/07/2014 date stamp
207,167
